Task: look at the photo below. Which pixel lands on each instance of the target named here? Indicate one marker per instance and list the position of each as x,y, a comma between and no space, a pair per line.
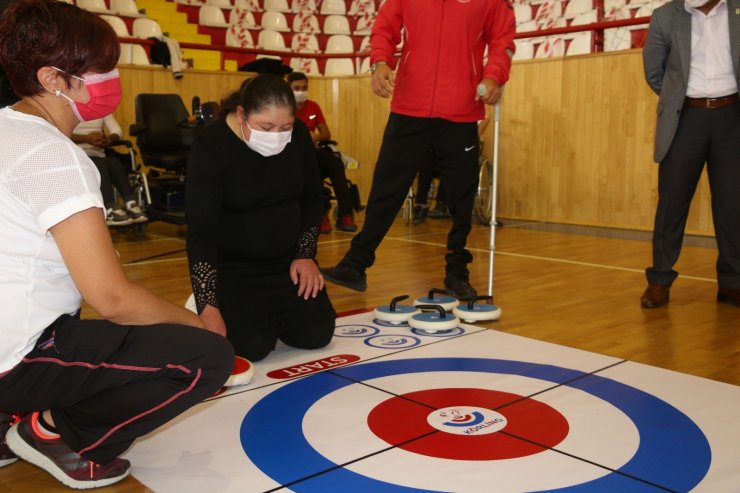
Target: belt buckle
709,102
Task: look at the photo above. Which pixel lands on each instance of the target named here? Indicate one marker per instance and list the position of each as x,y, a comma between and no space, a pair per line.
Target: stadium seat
126,8
236,36
365,65
222,4
577,7
552,46
580,44
339,66
276,6
524,49
336,24
365,44
275,21
139,56
146,28
548,14
304,43
308,6
118,25
329,7
526,27
97,6
308,66
242,18
125,57
208,15
271,40
360,7
522,12
304,22
365,24
250,5
339,43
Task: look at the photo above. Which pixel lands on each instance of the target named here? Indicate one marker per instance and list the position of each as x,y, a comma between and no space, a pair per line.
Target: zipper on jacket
436,67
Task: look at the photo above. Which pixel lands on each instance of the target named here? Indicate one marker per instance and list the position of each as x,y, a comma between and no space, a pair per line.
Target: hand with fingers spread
305,274
383,80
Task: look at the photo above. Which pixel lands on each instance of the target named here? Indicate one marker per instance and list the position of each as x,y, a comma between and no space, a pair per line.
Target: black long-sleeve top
243,207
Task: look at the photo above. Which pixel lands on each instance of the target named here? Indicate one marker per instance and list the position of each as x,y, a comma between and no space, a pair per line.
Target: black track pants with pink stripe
107,384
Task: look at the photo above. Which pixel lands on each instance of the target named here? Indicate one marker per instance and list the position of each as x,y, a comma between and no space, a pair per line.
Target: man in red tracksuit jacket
435,106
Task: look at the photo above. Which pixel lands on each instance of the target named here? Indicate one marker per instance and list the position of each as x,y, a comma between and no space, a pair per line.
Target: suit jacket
666,60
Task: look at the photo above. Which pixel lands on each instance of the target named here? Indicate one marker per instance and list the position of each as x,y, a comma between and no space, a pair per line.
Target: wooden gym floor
573,286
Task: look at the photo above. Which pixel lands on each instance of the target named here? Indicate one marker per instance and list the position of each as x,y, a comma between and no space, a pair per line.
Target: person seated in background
423,186
330,165
94,136
254,208
84,390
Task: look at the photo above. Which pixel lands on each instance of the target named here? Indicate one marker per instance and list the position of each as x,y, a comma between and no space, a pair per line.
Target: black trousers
710,136
260,306
330,166
406,142
108,384
112,174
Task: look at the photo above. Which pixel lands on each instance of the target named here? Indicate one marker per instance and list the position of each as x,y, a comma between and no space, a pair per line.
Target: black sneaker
440,212
461,287
118,217
346,276
420,213
7,457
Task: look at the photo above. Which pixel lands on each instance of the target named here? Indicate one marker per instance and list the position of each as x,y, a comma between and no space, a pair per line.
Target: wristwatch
375,66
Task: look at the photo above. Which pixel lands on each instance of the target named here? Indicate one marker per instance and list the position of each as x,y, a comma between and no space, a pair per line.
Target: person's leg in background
331,166
405,145
114,216
456,147
119,175
423,185
678,175
440,210
724,181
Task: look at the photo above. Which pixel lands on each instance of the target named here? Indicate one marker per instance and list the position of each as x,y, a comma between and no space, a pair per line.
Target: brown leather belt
711,102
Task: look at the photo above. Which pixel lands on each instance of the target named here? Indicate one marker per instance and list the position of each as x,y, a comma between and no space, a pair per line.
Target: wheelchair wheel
482,207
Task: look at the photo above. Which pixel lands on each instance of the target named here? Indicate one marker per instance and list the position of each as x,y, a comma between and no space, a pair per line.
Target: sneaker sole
7,462
29,454
139,220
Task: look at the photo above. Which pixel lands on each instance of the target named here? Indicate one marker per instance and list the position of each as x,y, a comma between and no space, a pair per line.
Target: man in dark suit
692,61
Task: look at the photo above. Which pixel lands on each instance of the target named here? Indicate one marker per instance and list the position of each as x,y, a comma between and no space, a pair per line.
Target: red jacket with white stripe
441,62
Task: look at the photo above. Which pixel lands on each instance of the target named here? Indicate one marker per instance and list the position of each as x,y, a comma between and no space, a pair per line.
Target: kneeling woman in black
254,209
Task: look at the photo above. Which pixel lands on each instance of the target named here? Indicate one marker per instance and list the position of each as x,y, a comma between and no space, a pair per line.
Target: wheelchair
164,132
349,163
124,151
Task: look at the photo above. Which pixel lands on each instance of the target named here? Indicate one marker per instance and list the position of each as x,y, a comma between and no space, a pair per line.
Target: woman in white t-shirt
86,389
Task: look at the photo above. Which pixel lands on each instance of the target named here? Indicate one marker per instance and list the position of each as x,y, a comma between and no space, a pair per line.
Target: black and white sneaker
117,217
135,213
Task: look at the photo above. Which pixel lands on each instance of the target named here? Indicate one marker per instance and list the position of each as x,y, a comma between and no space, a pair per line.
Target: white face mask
695,4
267,143
300,96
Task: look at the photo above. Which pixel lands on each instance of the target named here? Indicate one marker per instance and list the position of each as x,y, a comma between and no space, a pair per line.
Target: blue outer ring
415,341
672,450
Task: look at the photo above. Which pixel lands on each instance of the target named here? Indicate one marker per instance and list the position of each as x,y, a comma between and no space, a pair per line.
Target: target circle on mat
666,434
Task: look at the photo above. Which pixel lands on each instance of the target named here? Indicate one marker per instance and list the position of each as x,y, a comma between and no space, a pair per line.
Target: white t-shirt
44,179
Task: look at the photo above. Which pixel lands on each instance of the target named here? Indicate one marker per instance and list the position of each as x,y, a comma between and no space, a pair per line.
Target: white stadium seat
336,24
271,40
275,21
208,15
339,43
276,5
118,25
304,43
126,8
339,66
308,6
236,36
305,22
329,7
308,66
146,28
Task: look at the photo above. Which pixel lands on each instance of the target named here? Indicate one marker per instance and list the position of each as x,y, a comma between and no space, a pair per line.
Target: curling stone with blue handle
470,312
447,300
433,322
394,313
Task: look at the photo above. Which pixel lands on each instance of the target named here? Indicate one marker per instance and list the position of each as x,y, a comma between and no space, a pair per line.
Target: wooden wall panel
576,135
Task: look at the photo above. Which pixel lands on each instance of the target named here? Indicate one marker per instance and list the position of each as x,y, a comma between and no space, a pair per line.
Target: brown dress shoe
656,295
729,296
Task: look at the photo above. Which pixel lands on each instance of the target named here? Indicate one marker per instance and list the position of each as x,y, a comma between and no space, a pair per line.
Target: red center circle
531,426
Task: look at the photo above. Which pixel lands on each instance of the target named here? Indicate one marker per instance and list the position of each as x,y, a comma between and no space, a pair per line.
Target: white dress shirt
711,74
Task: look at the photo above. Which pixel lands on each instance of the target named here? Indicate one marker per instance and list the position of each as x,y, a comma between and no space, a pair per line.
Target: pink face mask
105,94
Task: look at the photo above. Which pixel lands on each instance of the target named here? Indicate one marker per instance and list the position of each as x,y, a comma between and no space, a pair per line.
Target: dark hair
45,33
294,76
259,92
